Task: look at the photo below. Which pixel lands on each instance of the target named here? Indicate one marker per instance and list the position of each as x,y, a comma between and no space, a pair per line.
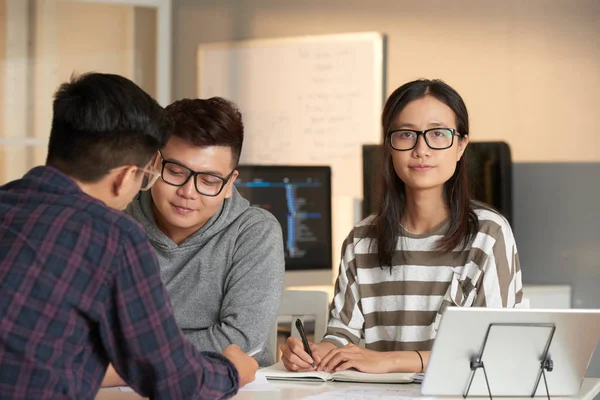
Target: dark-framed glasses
435,138
206,183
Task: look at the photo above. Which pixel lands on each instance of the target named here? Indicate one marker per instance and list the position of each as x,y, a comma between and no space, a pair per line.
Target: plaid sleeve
143,341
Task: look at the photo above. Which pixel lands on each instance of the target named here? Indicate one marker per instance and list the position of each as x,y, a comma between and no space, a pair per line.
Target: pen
300,328
255,350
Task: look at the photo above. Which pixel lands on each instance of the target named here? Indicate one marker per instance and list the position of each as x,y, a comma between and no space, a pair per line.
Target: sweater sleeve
253,290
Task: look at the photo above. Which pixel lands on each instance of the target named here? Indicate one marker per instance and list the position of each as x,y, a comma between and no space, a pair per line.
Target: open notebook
278,371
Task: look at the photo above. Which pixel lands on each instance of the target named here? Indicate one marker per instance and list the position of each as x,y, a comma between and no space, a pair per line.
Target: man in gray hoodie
221,260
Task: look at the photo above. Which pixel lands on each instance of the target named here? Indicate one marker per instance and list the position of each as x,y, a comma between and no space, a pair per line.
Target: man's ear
462,146
122,179
229,186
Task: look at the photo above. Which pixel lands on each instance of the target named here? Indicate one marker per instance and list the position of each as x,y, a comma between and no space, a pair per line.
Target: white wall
74,38
14,73
528,69
145,49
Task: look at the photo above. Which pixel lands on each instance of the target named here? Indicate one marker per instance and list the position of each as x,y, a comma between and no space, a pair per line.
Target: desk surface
298,390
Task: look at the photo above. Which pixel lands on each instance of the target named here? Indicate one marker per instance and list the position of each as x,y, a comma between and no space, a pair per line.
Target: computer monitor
510,346
300,198
490,174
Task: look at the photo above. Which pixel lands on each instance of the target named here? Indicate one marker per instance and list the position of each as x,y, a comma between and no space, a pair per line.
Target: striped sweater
401,309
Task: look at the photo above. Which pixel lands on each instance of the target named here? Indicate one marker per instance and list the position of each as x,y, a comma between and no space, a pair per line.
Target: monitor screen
300,199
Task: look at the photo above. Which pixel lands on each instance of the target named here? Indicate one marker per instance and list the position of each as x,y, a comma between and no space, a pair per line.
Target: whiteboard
312,100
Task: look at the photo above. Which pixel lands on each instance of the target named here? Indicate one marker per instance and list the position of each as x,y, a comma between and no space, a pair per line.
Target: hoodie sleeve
253,290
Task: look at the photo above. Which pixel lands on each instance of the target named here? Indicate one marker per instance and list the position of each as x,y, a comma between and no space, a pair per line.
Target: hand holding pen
298,355
304,339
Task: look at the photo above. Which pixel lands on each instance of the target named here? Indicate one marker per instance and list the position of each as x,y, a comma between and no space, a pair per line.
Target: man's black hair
101,122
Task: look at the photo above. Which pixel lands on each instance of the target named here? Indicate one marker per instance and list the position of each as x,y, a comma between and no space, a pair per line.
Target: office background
528,70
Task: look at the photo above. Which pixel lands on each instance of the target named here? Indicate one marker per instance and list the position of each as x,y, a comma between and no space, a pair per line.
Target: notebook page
356,376
278,371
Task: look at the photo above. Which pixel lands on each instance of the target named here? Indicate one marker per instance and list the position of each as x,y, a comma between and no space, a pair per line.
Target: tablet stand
546,363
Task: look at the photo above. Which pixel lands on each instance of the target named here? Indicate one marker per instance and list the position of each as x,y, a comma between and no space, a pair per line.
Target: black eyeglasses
206,184
436,138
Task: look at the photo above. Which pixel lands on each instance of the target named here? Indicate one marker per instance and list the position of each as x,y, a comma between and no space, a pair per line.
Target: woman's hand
296,359
374,362
352,356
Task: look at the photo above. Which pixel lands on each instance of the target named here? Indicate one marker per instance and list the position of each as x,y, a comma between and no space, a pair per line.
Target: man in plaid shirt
79,282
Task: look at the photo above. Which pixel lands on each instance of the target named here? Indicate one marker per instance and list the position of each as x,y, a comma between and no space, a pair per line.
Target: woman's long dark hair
392,192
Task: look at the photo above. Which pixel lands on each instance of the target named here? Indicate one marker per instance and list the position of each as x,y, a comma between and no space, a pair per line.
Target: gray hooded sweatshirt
226,280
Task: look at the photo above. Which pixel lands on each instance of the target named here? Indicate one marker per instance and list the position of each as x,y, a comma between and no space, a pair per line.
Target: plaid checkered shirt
79,288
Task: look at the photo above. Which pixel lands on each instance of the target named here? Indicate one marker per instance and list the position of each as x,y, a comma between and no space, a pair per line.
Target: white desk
297,390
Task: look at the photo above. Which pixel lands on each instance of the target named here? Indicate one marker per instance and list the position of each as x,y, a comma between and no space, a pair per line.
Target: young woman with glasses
429,245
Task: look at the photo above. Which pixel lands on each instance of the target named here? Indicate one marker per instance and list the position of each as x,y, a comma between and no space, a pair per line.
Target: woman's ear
463,142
